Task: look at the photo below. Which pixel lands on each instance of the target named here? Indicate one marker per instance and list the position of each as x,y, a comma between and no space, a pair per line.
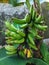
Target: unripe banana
11,53
7,32
21,53
39,19
28,4
21,33
32,46
10,26
10,48
40,27
39,37
19,41
33,14
15,41
28,17
13,34
22,21
33,31
19,21
31,39
24,26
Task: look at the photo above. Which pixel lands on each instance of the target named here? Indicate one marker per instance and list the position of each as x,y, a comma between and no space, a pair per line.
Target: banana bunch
24,33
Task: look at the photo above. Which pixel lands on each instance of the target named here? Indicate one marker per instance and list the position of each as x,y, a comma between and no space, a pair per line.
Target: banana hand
10,26
15,41
11,53
10,48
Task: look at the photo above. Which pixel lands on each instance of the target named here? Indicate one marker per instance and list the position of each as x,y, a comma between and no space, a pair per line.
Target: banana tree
21,36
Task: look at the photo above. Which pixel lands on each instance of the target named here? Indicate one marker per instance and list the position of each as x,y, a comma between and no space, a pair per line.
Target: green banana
11,53
41,22
40,27
33,46
31,39
10,48
38,37
15,41
21,53
19,41
33,31
31,10
24,26
7,33
33,14
10,26
21,33
39,19
22,21
28,4
13,34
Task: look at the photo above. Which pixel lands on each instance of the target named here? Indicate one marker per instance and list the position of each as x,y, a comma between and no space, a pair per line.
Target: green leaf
44,50
16,2
45,53
15,60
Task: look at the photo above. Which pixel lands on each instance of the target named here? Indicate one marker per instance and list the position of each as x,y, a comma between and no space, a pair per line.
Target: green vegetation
21,36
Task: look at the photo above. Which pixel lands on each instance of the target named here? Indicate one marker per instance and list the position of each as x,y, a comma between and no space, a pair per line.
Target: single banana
19,41
24,26
39,19
21,33
10,48
7,32
40,27
39,37
31,10
10,53
22,21
33,31
33,14
31,39
32,46
10,26
15,41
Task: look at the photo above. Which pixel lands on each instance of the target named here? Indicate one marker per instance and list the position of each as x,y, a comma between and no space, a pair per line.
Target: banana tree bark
38,42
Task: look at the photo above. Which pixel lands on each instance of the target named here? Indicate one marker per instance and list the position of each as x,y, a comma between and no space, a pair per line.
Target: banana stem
26,32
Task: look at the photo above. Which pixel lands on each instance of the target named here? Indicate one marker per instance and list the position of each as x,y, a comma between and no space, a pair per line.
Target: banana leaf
16,2
15,60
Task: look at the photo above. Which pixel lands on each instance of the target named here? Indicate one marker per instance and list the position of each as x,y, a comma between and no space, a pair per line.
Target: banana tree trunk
38,42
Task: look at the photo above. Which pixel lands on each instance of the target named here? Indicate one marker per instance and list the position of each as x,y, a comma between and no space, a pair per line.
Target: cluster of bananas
23,32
